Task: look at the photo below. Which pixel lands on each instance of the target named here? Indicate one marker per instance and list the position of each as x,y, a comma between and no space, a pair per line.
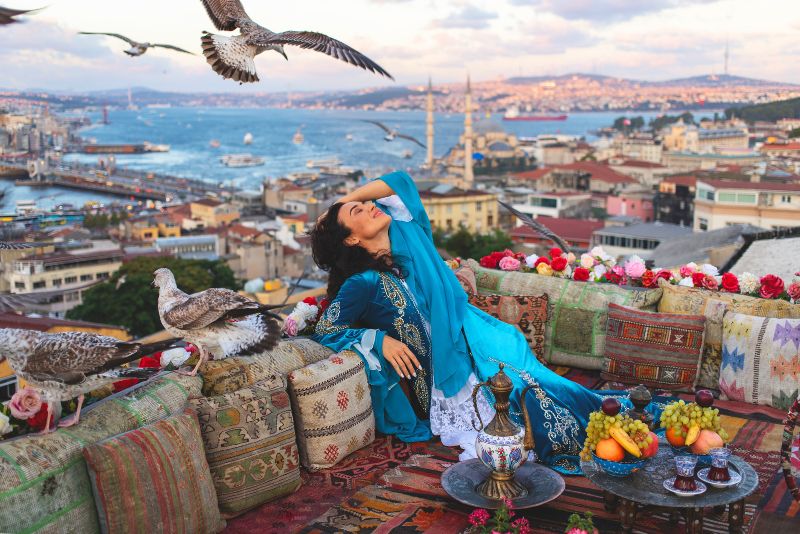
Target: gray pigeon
232,57
137,48
219,322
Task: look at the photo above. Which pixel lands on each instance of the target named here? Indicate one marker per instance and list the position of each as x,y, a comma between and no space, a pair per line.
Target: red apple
611,406
651,449
704,398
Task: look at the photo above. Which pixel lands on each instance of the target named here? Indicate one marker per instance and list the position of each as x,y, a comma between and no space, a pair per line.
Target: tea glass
719,465
685,465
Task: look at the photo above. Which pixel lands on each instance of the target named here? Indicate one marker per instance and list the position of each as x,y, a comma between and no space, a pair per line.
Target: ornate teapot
502,445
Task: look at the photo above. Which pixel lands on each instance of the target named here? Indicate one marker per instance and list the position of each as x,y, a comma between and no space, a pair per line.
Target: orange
609,449
674,438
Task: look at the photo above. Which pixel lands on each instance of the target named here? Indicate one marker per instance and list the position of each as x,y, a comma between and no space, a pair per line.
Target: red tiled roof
243,231
638,163
569,229
211,203
687,180
302,217
533,175
781,146
751,186
43,324
598,171
289,251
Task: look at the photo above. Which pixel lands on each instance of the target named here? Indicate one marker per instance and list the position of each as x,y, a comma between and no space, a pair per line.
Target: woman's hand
400,356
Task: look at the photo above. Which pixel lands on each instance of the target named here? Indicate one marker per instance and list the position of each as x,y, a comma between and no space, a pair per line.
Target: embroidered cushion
250,444
656,349
527,313
232,374
760,360
466,277
333,409
713,305
154,479
575,333
50,470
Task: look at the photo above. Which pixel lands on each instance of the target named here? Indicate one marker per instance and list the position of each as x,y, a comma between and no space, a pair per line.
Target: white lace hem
397,209
452,418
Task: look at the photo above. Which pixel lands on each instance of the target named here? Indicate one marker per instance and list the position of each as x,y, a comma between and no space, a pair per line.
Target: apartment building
62,270
213,213
449,208
569,204
721,203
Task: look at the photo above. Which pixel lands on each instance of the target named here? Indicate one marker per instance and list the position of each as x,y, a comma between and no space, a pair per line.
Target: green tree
134,303
488,243
461,243
794,133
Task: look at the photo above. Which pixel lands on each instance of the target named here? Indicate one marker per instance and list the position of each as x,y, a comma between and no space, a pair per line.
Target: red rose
698,279
559,263
38,421
730,283
507,252
649,278
555,252
121,385
150,362
520,256
323,305
771,286
709,282
665,274
489,262
581,274
541,260
190,348
311,301
613,278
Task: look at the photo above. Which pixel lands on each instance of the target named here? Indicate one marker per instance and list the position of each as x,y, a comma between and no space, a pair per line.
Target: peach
609,449
707,440
651,449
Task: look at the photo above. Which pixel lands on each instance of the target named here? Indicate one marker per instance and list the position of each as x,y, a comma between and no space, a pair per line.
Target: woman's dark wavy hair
340,260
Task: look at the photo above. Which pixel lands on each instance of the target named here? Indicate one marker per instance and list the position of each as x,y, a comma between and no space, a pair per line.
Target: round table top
646,486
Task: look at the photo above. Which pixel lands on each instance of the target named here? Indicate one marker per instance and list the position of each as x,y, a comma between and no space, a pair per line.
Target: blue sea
190,131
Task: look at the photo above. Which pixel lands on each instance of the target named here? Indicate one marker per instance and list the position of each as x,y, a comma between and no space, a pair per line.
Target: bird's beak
283,53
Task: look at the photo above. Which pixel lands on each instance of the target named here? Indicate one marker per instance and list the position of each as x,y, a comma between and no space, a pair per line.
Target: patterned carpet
392,486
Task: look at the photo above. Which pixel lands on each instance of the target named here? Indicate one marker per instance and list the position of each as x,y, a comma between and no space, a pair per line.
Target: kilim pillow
527,313
154,479
760,360
656,349
575,333
713,305
466,277
250,445
333,409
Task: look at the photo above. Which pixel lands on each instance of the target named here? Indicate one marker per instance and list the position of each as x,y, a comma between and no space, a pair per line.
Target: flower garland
304,317
503,521
597,266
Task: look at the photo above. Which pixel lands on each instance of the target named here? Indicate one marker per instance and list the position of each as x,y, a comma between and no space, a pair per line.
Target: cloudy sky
644,39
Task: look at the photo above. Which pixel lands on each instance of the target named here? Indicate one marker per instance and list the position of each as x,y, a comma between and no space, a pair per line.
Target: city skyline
658,40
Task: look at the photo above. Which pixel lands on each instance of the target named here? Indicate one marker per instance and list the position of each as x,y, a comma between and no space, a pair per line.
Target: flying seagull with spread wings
392,134
7,15
538,227
137,48
66,365
219,322
232,57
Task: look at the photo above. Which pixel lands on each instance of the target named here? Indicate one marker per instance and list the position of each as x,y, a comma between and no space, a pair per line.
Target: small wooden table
644,491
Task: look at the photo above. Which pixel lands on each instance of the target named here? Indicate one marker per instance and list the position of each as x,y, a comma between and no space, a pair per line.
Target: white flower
599,271
597,252
686,282
299,320
5,424
531,260
176,357
305,311
709,269
692,265
587,261
749,283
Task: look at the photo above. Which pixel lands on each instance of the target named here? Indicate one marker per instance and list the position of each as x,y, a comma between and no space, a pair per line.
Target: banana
622,437
693,434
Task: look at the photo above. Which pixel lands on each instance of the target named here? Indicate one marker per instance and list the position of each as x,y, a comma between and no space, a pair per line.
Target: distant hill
708,80
772,111
524,80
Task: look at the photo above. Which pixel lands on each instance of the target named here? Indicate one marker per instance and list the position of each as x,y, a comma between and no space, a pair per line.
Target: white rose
5,424
176,357
709,269
530,261
686,282
299,319
597,252
599,271
306,311
587,261
693,266
749,283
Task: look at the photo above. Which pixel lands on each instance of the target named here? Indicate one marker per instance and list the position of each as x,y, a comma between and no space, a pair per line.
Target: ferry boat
322,163
150,147
513,114
298,138
214,143
248,139
242,160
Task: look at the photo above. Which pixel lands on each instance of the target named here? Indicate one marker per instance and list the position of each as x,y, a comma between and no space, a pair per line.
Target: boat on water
152,147
214,143
348,137
242,160
321,163
248,139
298,138
514,114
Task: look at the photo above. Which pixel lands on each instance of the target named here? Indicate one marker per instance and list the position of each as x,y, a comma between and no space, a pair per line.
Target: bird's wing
380,124
225,14
404,136
118,36
5,245
69,357
207,307
538,227
8,12
171,47
319,42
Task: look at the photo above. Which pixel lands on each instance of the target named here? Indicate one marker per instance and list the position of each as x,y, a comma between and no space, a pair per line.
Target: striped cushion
250,445
333,409
656,349
154,479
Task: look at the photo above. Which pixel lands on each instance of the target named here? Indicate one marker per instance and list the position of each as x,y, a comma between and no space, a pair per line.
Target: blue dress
457,344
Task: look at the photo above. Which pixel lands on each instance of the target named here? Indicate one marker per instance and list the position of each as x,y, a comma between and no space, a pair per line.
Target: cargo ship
513,114
125,148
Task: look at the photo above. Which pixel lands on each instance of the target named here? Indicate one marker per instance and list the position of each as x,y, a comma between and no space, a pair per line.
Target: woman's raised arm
370,191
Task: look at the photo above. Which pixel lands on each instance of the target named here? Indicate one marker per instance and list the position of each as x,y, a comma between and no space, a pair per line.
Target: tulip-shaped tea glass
719,465
685,465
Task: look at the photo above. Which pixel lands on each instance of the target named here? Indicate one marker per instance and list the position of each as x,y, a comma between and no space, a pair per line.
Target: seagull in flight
232,57
7,14
137,48
392,134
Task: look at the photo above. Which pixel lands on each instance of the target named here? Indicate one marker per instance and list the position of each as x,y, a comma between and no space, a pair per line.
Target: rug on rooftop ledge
394,487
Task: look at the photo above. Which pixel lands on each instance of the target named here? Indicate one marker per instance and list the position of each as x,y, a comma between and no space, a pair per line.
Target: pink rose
25,403
509,264
635,269
290,326
686,271
619,274
794,291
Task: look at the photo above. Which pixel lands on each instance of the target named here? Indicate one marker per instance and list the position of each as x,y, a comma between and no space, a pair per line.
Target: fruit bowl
624,468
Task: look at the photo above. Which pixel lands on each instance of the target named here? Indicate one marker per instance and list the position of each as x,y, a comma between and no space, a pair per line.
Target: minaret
468,176
429,123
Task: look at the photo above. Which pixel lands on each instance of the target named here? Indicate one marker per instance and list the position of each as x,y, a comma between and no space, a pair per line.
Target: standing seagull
219,322
7,14
392,134
232,57
137,48
69,364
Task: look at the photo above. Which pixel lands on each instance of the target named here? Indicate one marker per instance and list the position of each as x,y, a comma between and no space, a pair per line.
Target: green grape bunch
681,416
600,424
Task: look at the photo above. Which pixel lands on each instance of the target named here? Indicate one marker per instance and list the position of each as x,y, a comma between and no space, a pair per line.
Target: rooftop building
640,239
